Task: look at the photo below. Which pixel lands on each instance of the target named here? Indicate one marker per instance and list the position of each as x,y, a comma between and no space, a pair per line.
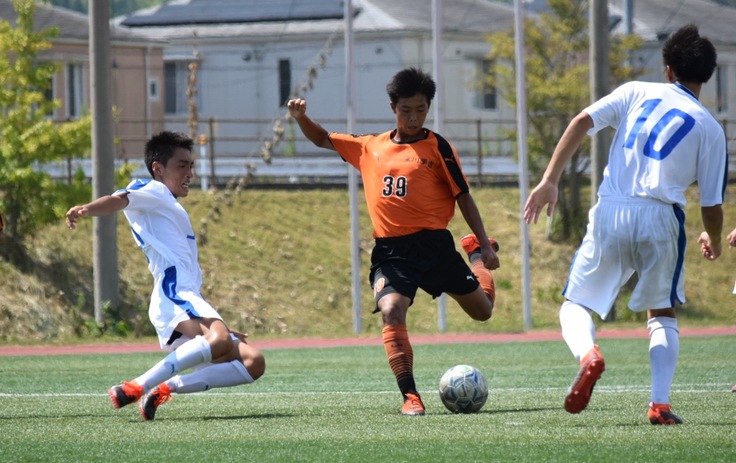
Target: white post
439,110
203,163
352,173
521,118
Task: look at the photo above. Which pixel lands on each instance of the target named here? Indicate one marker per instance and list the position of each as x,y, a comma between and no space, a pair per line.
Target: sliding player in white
186,324
665,141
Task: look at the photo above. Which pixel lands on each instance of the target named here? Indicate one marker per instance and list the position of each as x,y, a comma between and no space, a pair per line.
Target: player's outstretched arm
104,205
313,131
710,239
545,194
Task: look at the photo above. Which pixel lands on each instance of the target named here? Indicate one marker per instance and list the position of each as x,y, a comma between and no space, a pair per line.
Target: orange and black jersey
408,186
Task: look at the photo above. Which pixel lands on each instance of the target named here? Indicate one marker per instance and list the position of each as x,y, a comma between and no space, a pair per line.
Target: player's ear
669,74
157,169
393,106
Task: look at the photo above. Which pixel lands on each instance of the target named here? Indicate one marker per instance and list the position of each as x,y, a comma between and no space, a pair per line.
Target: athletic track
128,347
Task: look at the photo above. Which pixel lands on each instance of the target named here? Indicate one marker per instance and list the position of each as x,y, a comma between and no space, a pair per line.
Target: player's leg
471,246
598,269
243,365
578,331
664,349
476,304
394,278
659,260
204,337
473,288
207,338
399,351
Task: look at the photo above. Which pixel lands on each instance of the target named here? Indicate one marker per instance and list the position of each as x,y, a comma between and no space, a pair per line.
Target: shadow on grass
258,416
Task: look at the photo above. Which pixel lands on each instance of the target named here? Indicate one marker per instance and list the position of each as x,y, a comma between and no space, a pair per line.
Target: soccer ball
463,389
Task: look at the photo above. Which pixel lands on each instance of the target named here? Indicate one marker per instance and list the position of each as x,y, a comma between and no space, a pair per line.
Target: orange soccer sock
485,278
400,356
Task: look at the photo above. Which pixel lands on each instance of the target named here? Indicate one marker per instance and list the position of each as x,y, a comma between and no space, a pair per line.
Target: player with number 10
665,141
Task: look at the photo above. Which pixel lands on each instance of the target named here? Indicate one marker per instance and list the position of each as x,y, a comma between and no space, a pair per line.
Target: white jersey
162,229
665,141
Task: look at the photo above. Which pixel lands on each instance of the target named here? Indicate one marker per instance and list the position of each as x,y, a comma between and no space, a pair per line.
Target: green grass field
342,405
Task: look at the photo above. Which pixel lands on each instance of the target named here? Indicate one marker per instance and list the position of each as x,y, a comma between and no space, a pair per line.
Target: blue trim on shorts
569,272
169,287
681,244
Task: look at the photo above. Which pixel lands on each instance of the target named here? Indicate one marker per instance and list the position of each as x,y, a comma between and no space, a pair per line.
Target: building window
153,91
176,74
722,89
284,81
485,94
48,92
76,98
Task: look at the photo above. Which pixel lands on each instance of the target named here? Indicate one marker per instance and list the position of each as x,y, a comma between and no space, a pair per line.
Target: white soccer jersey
665,141
162,229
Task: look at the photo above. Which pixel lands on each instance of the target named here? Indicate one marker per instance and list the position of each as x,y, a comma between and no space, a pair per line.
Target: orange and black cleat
125,394
413,405
154,399
662,414
591,368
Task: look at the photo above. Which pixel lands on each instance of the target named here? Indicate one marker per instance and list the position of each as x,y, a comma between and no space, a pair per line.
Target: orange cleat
661,414
154,399
125,394
471,244
413,405
591,368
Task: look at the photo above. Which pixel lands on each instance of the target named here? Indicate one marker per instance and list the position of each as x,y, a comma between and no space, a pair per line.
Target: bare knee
482,315
393,308
221,343
253,360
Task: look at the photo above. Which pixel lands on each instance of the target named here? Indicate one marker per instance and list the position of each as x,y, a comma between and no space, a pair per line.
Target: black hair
408,82
691,57
160,148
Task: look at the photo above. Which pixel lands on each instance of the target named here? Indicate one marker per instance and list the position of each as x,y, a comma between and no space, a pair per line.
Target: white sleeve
712,164
610,110
144,194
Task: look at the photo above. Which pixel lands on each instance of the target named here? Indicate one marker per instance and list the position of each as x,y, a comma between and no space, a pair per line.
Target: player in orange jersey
412,179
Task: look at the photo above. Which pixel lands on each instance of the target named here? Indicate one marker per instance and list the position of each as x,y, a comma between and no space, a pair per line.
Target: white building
251,56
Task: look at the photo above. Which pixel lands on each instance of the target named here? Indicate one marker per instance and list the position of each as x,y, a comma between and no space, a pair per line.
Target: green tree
29,197
557,68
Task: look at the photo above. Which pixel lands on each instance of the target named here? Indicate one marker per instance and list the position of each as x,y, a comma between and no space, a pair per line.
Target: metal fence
253,148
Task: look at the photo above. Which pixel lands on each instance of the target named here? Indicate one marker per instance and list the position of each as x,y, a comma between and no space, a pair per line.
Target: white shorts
644,236
166,311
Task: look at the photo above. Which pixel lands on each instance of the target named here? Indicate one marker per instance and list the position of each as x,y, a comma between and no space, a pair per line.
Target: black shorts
426,260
